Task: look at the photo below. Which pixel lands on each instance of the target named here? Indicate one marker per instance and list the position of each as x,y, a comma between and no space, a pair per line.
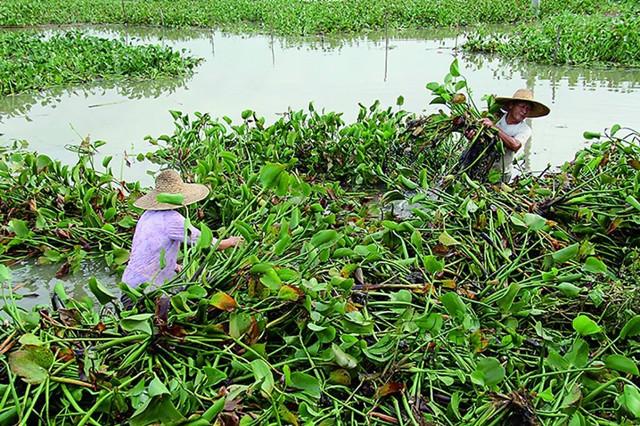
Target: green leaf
594,265
447,239
630,400
269,175
308,383
139,322
324,238
506,301
534,222
622,363
31,364
566,254
289,293
430,322
5,274
631,328
206,237
585,326
159,410
101,293
488,372
569,289
30,339
157,388
239,324
340,377
20,228
454,69
432,264
223,301
453,304
263,375
342,358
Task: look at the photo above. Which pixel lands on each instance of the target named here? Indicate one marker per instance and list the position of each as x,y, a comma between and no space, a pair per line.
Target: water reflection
271,74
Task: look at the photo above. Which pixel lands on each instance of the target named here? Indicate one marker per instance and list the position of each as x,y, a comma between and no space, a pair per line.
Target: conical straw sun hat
538,109
170,182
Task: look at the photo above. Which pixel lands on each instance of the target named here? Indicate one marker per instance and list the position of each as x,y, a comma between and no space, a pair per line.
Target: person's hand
487,122
470,134
230,242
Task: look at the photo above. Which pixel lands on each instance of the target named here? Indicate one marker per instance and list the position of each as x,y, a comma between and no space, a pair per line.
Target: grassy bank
490,305
284,16
33,62
568,39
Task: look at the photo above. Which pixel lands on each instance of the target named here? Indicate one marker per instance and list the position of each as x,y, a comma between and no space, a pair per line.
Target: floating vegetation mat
31,61
490,305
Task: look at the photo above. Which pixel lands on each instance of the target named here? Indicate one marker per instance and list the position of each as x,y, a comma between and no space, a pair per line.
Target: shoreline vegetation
490,304
32,62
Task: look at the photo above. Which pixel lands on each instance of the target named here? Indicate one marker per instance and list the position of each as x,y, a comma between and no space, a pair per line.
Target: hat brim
192,192
538,109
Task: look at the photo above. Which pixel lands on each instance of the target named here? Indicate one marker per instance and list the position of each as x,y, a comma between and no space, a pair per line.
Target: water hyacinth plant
490,304
30,61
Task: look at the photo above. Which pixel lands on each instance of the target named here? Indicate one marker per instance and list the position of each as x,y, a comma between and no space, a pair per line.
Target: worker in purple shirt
161,230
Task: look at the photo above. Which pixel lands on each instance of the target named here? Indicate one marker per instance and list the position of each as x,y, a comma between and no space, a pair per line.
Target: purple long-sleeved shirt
158,234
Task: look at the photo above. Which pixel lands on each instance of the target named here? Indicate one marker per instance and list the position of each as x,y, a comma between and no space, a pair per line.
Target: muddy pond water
271,74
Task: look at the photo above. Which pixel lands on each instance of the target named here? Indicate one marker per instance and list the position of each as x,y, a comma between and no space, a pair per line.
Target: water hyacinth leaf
289,293
594,265
454,68
139,322
223,301
630,400
31,364
271,280
569,289
263,375
430,322
342,358
101,293
506,301
622,363
20,228
340,377
42,161
239,324
633,202
432,264
5,274
206,237
566,254
324,238
306,382
447,240
173,199
631,328
585,326
157,388
30,339
159,410
534,222
578,354
269,175
389,389
453,304
214,375
488,372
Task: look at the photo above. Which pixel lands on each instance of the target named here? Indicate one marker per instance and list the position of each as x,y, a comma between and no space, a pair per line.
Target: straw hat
538,109
170,182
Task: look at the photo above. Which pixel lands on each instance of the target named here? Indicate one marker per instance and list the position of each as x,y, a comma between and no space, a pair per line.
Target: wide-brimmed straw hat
538,109
170,182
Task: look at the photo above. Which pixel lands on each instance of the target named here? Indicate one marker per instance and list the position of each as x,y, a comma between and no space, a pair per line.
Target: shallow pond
271,74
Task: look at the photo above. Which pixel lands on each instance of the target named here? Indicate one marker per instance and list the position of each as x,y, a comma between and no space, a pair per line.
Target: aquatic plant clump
285,16
488,305
31,61
568,39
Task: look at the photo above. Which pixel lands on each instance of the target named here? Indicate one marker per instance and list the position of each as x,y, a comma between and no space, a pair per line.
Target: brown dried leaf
223,301
388,389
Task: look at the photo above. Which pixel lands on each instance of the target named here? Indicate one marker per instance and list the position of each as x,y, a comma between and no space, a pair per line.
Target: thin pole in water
386,47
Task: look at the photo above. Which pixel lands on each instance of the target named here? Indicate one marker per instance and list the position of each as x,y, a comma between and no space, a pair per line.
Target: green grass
568,39
286,16
34,62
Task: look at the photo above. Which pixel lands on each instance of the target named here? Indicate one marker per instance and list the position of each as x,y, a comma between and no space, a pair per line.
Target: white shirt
521,132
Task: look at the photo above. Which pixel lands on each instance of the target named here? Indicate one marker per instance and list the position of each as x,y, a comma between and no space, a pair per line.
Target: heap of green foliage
30,61
568,39
286,16
490,305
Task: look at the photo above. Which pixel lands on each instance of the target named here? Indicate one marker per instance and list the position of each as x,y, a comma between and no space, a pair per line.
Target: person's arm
511,143
175,228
